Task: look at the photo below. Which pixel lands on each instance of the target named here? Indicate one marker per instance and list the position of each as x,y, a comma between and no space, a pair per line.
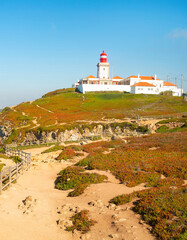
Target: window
105,83
92,82
138,88
148,89
104,69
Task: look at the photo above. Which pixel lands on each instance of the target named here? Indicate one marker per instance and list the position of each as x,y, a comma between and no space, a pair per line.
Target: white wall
176,91
96,88
143,90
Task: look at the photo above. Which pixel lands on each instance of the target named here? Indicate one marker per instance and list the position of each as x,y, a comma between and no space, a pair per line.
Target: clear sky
50,44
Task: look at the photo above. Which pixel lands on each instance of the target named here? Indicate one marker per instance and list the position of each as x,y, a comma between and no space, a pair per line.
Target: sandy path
40,224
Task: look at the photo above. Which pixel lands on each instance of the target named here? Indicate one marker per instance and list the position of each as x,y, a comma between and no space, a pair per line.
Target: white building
133,84
143,88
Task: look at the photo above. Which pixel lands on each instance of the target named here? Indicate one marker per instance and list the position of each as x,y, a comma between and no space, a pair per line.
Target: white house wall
143,90
98,87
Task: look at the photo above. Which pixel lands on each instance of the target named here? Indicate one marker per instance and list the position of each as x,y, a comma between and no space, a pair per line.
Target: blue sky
50,44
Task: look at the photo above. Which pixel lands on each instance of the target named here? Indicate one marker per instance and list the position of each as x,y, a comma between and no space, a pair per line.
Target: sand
41,222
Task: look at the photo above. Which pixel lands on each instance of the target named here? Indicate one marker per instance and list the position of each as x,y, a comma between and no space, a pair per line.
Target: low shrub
16,159
1,166
81,222
165,209
2,150
53,149
68,153
75,178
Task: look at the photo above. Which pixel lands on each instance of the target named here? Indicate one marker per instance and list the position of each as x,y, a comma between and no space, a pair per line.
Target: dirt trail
44,109
40,223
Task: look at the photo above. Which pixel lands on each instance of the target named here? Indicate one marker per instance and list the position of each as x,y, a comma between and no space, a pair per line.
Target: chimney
155,76
138,75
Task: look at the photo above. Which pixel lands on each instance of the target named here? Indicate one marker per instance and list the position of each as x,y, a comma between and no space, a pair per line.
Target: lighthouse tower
103,67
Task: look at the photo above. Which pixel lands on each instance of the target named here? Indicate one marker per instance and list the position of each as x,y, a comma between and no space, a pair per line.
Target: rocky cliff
75,133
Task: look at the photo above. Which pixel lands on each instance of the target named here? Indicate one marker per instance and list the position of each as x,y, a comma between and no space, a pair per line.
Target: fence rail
12,173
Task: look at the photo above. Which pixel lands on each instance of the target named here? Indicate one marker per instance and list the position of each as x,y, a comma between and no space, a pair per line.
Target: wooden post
1,184
16,171
10,175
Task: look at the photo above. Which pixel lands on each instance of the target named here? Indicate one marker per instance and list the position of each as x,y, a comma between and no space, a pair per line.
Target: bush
81,222
75,178
16,159
165,210
2,150
1,166
53,149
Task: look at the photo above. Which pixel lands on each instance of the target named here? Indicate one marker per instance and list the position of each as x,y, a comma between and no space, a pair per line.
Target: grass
2,155
94,106
53,149
1,166
34,146
81,222
16,159
165,129
75,178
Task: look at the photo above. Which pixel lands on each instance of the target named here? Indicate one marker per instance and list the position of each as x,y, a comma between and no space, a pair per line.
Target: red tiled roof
169,84
117,77
90,76
143,84
144,77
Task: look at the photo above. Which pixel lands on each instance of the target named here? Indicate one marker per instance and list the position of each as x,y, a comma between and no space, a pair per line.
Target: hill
67,107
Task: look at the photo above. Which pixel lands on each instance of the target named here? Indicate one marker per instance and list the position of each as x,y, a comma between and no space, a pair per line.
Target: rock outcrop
98,131
5,132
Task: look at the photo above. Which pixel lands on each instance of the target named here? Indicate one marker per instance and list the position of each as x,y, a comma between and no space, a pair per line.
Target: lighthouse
103,67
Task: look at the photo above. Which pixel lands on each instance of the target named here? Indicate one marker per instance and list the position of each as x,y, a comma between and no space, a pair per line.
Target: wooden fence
12,173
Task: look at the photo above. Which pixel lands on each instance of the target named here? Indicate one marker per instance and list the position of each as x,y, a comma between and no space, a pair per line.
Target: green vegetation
165,129
68,153
81,222
14,135
16,159
2,155
1,166
173,120
157,160
163,208
51,114
59,91
75,178
2,150
53,149
94,106
34,146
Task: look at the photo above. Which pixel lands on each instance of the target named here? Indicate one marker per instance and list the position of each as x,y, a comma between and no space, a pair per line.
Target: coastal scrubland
159,161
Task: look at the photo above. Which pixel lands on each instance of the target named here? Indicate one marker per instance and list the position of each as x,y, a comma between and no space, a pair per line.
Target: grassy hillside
67,106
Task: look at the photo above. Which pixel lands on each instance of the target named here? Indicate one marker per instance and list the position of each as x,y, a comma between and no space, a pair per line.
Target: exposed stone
27,205
33,137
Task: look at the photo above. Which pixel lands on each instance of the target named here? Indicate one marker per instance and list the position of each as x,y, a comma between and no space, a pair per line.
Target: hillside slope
65,106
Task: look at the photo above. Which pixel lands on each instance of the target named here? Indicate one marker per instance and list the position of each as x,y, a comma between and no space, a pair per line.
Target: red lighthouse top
103,57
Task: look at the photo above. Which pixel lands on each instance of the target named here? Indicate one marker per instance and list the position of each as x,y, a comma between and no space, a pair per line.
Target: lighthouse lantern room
103,67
